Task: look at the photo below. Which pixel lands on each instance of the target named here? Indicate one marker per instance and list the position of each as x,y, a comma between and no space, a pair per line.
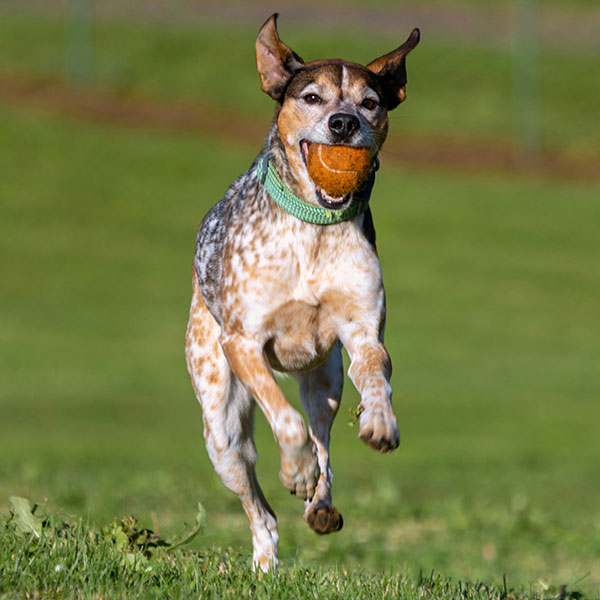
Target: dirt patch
147,113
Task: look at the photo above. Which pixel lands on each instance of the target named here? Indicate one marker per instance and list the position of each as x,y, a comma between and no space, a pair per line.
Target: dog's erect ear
392,69
275,61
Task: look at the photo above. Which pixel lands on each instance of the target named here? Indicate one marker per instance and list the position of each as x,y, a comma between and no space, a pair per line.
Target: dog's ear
275,61
392,69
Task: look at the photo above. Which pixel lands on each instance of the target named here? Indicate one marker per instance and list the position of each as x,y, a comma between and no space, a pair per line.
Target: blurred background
121,123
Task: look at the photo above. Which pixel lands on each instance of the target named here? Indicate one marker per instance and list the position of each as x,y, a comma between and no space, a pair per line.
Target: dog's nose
343,125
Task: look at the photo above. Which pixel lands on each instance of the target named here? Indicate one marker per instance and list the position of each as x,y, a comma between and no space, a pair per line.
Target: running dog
286,273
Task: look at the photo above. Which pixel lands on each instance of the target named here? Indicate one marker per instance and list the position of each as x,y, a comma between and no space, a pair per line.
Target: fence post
79,42
526,84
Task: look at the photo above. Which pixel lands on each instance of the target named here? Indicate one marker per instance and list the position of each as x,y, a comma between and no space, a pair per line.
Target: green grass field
493,324
493,327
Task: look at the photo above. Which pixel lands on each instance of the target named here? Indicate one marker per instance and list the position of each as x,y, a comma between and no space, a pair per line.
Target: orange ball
338,170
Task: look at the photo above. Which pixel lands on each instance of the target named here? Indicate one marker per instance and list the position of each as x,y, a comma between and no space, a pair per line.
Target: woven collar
309,213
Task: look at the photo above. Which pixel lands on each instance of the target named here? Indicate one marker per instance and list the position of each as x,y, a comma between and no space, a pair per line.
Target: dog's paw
324,519
264,563
300,470
379,429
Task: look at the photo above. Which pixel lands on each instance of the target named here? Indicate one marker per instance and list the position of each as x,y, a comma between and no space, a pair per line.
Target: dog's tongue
304,145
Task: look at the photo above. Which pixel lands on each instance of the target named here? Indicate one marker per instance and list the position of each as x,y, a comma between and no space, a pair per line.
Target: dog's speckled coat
271,292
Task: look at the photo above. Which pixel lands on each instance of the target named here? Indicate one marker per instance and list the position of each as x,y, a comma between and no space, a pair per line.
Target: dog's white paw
379,428
300,470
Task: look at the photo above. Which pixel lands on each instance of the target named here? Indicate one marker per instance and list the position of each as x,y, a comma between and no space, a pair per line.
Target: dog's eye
369,103
312,99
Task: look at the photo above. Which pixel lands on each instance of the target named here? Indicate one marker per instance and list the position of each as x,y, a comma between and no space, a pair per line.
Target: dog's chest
300,336
294,289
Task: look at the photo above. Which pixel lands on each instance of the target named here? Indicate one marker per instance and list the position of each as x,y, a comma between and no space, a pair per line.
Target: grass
62,558
461,90
493,329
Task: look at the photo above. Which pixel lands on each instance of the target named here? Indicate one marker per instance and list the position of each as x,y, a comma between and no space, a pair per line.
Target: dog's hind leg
320,394
227,411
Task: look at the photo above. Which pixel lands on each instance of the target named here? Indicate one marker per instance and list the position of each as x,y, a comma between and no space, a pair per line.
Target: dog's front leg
370,371
299,467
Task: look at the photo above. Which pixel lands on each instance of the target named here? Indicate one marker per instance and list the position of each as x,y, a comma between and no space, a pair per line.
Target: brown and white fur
273,293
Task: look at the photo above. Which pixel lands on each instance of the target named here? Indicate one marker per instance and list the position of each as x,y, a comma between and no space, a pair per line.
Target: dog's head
331,102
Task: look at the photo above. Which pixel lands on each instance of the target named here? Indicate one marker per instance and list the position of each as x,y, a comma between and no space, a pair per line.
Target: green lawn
493,327
60,558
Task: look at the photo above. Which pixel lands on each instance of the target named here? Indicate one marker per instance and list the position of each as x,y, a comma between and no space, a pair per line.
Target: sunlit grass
45,555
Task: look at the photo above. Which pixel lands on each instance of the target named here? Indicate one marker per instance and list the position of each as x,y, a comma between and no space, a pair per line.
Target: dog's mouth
323,198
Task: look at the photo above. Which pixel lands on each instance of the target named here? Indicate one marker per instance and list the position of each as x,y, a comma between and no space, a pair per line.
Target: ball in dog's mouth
336,171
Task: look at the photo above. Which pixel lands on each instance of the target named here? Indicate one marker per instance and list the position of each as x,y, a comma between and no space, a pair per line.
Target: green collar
309,213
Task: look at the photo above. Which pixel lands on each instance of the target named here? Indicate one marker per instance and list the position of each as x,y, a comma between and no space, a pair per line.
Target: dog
285,274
